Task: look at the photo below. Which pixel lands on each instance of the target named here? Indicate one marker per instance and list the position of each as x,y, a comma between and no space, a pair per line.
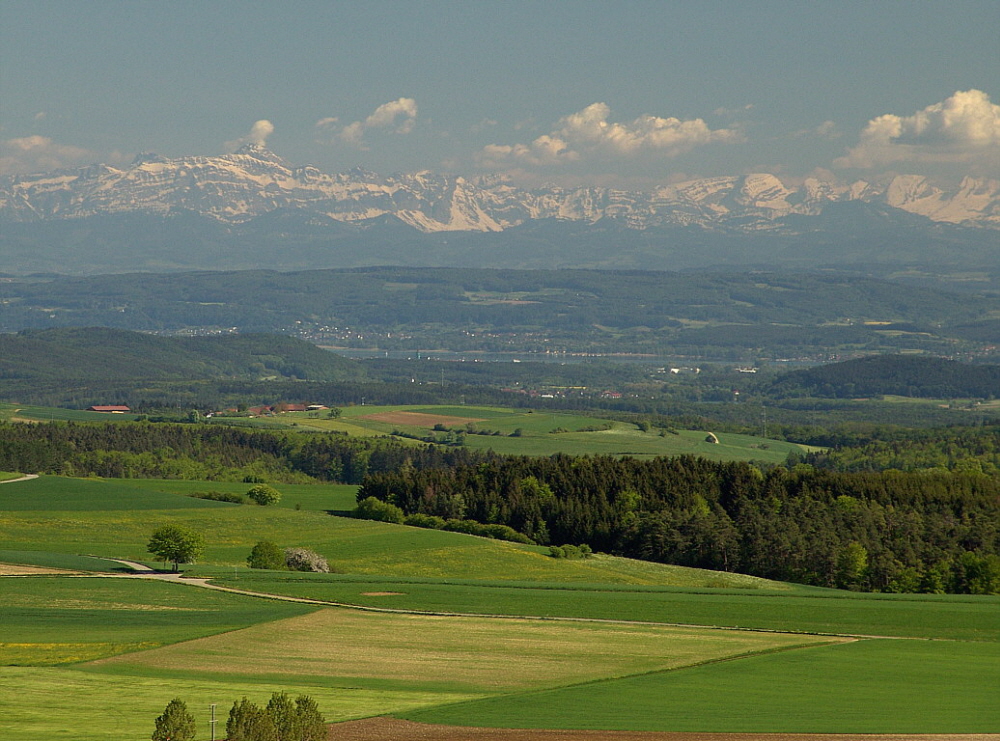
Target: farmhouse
109,408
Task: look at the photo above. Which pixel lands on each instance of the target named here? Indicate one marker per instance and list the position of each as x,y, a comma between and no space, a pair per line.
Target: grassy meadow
623,644
876,686
534,432
29,413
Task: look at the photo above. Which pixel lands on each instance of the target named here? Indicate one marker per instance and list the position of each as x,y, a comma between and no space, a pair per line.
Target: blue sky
627,93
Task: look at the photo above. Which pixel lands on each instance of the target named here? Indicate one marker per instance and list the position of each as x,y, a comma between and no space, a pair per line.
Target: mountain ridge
235,188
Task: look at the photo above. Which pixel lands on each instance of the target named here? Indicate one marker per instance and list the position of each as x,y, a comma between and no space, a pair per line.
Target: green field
546,433
864,687
49,414
50,620
114,518
643,646
797,609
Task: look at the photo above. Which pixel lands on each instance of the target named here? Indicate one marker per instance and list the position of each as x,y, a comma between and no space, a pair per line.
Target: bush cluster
268,555
571,552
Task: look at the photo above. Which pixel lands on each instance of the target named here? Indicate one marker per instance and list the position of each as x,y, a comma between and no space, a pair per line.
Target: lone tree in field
176,544
264,494
176,723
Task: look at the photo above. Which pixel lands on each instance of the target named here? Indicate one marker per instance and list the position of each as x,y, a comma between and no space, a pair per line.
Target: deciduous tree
264,494
266,555
176,544
176,723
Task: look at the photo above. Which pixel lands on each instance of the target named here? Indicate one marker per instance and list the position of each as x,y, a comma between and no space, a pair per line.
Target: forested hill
903,375
109,354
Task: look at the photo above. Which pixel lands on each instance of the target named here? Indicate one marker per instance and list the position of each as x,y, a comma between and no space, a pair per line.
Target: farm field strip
51,620
457,654
869,687
818,612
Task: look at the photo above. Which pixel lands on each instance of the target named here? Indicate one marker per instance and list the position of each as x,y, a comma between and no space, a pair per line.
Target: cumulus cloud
398,116
961,128
590,134
257,135
39,154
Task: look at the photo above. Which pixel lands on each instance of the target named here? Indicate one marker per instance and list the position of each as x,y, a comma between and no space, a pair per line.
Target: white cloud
398,116
39,154
590,134
962,128
257,135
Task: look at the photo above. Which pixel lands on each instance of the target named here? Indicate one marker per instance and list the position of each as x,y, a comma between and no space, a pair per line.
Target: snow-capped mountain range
235,188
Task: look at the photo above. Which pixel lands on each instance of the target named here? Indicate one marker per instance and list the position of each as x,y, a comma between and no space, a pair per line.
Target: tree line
207,452
881,531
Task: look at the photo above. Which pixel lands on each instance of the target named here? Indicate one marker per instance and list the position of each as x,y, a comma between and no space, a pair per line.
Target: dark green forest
901,375
205,452
885,531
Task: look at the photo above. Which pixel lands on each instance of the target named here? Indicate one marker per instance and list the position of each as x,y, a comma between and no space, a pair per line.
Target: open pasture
51,620
313,497
58,493
535,432
114,519
795,610
28,413
452,654
871,686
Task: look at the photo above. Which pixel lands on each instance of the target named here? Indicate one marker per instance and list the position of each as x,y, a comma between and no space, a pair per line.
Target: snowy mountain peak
252,181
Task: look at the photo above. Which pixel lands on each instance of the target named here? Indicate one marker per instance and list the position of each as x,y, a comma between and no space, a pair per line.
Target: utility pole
213,721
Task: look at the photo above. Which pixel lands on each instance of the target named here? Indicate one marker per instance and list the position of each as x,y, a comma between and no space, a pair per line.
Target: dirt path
206,583
26,477
391,729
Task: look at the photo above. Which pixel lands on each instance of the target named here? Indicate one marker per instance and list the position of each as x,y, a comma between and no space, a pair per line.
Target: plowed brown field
391,729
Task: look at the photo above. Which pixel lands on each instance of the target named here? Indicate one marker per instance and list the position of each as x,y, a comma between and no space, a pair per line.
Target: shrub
219,496
264,494
431,522
303,559
266,555
494,531
569,551
375,509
